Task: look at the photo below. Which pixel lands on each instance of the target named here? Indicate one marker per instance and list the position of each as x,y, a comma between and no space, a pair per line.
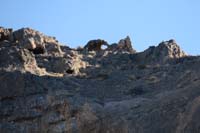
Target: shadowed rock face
124,45
95,45
5,34
115,90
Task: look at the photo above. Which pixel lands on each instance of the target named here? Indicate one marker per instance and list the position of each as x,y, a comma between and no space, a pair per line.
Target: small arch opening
103,47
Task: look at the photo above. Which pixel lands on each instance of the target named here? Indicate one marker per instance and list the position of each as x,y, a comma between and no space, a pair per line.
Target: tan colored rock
162,53
124,45
174,51
37,42
6,34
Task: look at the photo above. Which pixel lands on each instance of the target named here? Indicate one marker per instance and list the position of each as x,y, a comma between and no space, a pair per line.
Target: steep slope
47,87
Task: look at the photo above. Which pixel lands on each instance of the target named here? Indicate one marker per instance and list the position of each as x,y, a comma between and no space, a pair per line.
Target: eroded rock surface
36,41
6,34
162,53
95,45
124,45
115,90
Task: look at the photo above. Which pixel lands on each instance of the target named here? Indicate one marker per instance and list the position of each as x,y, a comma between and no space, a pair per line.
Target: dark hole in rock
38,50
3,37
74,112
70,71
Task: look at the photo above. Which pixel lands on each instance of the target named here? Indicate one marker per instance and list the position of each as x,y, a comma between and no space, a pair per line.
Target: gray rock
14,58
114,90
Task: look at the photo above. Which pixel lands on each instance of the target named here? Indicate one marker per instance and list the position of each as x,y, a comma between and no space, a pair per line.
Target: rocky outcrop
113,90
95,45
169,49
14,58
36,41
124,45
162,53
32,49
70,63
5,34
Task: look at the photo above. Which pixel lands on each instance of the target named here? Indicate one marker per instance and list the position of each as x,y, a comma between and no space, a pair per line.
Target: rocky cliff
49,87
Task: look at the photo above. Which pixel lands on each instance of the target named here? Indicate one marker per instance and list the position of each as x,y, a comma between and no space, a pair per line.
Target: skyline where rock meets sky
76,22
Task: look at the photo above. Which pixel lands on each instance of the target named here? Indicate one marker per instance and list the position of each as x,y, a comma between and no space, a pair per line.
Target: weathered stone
6,34
114,90
29,39
95,45
171,49
14,58
162,53
36,41
52,46
70,63
124,45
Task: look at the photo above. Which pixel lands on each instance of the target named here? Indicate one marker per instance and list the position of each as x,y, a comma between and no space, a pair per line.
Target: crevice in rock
70,71
23,119
38,50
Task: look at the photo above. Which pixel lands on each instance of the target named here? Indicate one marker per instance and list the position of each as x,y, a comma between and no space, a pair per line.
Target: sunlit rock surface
48,87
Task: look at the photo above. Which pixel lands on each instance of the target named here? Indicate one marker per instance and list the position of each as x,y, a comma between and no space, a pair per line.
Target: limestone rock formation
36,41
162,53
18,59
169,49
68,63
95,45
124,45
115,90
5,34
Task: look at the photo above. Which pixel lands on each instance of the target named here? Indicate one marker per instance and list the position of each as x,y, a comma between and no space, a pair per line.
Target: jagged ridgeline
49,87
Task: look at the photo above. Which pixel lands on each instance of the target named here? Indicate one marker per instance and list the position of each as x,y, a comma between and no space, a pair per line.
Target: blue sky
75,22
